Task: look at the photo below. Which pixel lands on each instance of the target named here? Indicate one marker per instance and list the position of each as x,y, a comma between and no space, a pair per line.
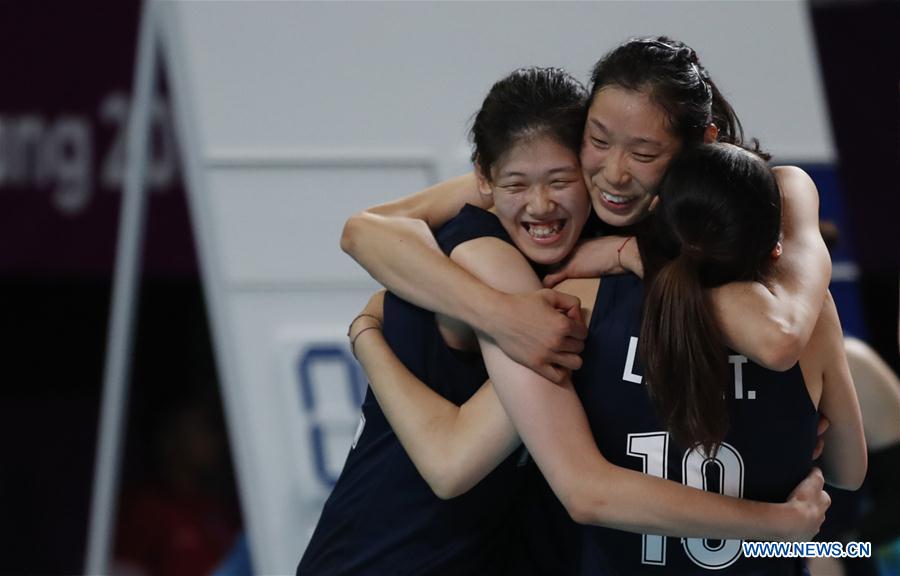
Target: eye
513,187
561,184
599,143
644,157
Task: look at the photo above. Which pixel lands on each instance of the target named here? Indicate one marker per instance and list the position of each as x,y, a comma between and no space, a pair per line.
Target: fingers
551,280
572,345
815,476
567,361
561,300
821,499
574,314
813,502
814,482
571,307
821,428
578,331
823,425
824,499
553,373
820,446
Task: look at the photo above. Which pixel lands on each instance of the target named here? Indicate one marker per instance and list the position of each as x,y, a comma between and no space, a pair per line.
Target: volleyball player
382,517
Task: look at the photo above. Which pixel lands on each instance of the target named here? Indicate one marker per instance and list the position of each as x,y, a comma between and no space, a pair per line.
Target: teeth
613,198
544,230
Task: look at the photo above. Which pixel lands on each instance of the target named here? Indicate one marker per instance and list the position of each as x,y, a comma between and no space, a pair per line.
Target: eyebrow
637,140
552,171
563,169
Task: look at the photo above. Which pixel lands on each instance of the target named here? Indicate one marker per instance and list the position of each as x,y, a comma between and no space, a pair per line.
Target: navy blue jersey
381,517
766,453
547,540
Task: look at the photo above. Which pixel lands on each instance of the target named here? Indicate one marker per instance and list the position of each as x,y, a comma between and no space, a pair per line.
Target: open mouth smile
544,232
616,203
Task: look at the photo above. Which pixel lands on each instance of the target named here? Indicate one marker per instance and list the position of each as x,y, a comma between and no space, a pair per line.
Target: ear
654,203
710,134
484,187
776,251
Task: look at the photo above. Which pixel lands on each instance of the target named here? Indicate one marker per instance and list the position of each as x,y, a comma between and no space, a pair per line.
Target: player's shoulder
793,181
470,223
789,171
498,264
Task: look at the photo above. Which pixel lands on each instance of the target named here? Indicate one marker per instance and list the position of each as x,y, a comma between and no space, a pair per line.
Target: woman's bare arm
394,243
436,204
772,325
844,457
598,256
453,447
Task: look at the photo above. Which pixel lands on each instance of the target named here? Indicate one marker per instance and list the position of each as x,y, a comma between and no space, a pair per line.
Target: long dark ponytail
718,220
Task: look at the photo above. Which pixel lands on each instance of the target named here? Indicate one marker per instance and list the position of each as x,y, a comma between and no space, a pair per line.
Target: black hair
527,103
718,219
670,71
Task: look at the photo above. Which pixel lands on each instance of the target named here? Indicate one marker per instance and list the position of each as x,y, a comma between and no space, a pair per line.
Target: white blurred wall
294,115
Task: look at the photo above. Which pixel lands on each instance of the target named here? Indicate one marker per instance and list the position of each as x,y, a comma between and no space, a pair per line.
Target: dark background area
859,56
66,78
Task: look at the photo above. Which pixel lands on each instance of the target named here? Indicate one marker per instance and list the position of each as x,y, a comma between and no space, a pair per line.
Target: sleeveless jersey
546,541
766,453
382,517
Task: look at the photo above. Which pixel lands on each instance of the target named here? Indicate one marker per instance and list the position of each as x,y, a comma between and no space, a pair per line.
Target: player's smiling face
626,149
539,197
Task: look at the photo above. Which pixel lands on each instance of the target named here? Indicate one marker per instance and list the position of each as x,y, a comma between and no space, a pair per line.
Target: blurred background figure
181,519
873,513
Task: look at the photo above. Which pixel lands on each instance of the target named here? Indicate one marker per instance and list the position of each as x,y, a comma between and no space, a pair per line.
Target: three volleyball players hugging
610,349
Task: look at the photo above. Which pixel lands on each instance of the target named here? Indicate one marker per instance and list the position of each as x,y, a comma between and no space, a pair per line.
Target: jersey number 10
653,450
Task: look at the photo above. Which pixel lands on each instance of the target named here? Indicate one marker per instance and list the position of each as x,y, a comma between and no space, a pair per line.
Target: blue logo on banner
353,383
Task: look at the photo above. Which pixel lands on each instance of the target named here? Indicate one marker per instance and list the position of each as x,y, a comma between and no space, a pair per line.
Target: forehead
630,115
536,154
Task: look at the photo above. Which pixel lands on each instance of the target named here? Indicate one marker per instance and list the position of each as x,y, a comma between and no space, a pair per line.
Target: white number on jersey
652,449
